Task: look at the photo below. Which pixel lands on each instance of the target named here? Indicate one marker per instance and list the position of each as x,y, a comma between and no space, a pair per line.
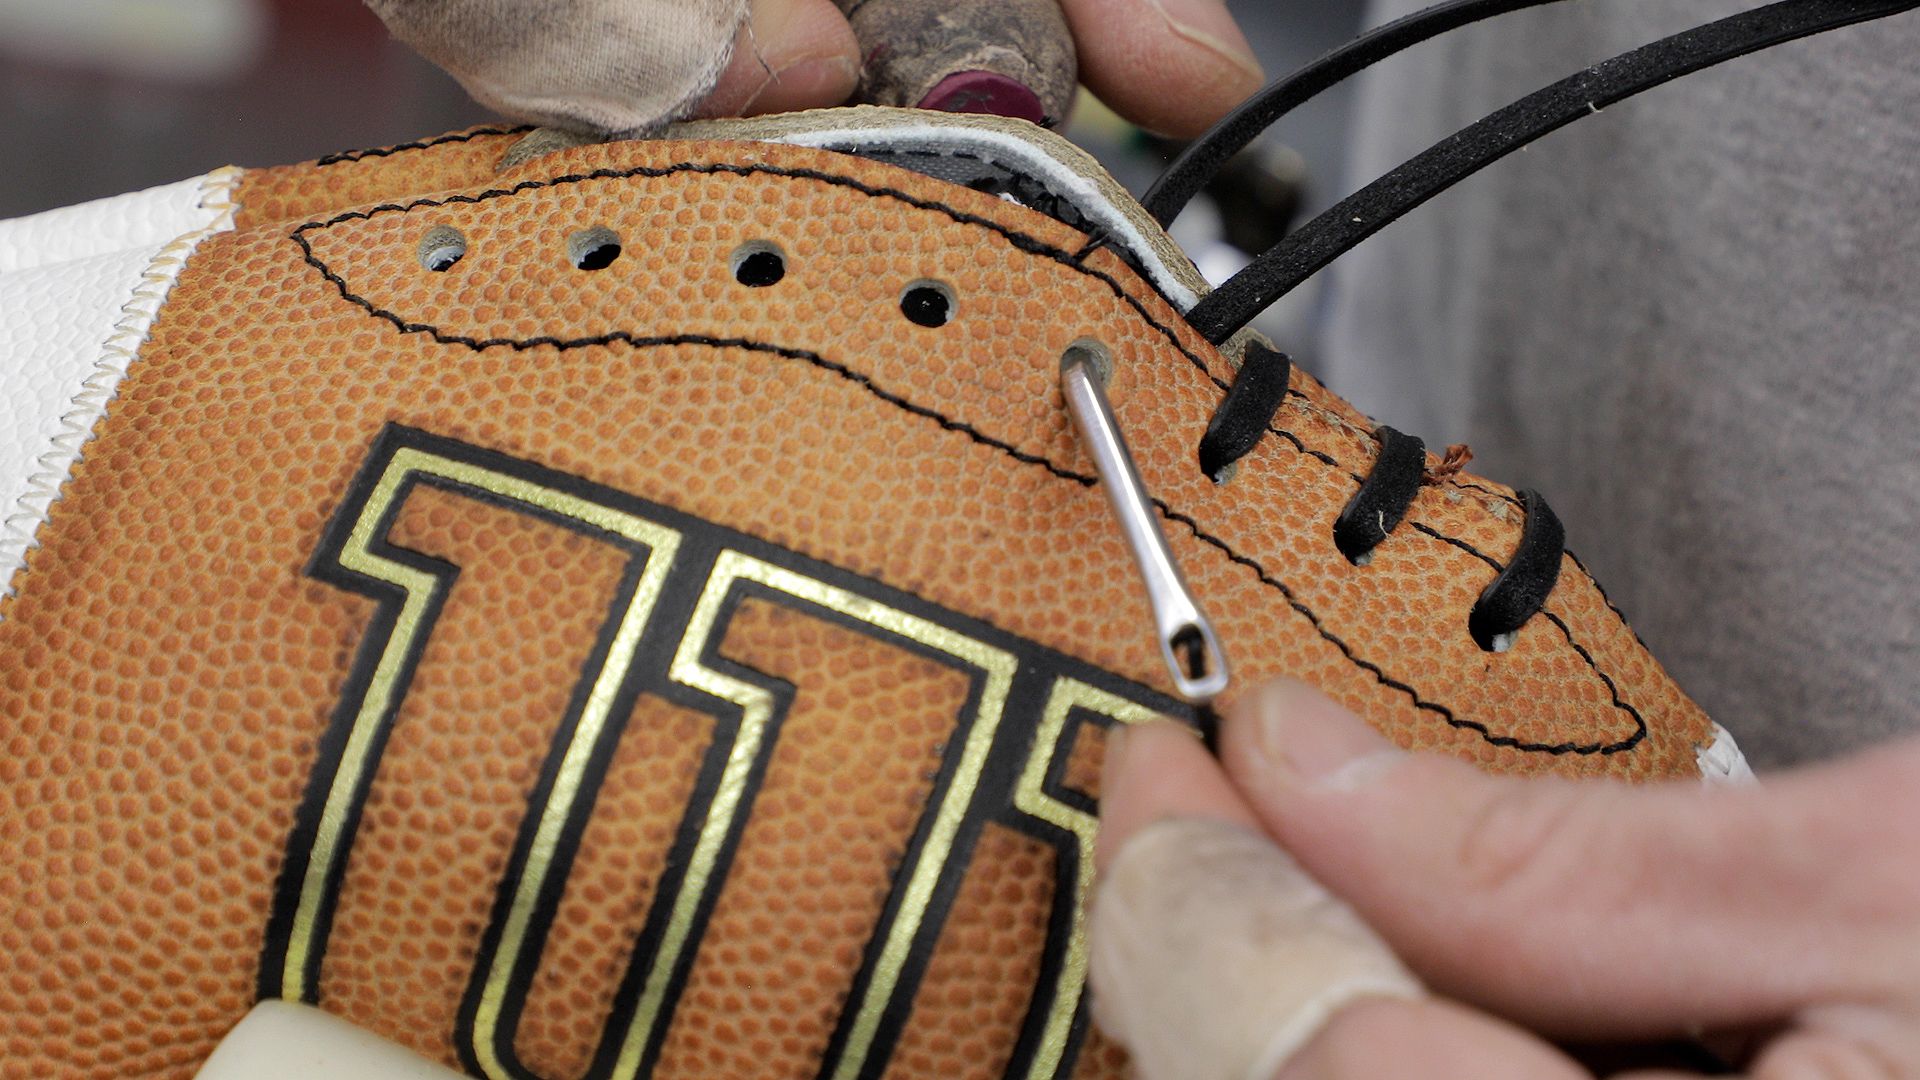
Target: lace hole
593,249
928,303
1488,638
1496,643
441,247
758,264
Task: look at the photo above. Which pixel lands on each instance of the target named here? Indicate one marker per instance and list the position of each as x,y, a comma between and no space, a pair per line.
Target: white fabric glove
1215,957
607,67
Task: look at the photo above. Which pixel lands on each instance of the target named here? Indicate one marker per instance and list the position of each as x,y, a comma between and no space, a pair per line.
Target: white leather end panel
79,290
121,223
1722,763
284,1041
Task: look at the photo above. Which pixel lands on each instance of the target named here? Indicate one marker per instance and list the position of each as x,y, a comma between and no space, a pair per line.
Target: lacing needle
1187,640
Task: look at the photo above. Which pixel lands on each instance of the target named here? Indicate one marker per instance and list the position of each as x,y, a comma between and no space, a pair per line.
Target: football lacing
1521,588
1282,267
1399,470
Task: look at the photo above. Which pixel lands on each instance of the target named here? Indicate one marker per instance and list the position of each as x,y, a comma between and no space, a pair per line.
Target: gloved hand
627,67
1786,915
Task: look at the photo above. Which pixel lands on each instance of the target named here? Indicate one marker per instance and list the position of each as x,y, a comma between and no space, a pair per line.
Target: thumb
1673,904
789,54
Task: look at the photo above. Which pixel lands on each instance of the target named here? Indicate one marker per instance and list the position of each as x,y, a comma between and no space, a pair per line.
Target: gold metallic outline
1030,797
418,585
756,705
731,567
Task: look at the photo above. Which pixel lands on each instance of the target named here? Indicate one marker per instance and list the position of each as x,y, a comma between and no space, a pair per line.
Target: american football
646,608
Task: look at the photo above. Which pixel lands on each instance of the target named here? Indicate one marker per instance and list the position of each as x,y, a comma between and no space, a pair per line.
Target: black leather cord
1243,415
1203,158
1282,267
1522,588
1383,498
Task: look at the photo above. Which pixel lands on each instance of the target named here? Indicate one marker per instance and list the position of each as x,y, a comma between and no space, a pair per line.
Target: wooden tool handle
1010,57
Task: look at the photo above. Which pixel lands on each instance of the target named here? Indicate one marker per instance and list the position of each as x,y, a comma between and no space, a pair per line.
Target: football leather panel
858,752
438,823
229,585
365,177
1024,298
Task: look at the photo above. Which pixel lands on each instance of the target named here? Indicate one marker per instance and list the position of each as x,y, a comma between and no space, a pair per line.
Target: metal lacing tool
1187,640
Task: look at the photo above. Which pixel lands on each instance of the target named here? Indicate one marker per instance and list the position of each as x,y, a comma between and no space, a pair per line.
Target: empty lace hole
758,264
593,249
441,247
928,303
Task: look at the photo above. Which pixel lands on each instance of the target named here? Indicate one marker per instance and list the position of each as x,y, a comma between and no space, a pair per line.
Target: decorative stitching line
1363,437
1445,713
385,151
1605,599
1021,242
18,532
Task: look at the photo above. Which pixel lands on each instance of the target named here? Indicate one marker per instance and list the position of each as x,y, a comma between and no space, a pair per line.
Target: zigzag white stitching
18,532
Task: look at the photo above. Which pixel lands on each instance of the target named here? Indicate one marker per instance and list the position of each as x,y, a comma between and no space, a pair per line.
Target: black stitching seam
1566,631
1315,409
1023,243
1607,600
384,151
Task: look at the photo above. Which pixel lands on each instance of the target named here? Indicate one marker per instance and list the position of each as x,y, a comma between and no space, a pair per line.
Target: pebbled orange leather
170,666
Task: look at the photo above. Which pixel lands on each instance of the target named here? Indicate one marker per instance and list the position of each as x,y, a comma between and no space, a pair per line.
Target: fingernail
1208,24
1306,735
985,92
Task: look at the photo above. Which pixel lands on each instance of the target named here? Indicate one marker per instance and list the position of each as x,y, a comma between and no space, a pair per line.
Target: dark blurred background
98,97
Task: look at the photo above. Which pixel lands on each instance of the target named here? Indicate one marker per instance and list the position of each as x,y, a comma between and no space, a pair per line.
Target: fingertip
790,54
1432,1039
1171,66
1157,771
1287,735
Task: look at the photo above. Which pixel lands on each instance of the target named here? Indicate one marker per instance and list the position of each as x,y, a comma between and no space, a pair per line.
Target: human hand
1788,914
620,66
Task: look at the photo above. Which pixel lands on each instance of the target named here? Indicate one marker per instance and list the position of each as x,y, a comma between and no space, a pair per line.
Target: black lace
1202,160
1377,508
1521,588
1280,268
1383,498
